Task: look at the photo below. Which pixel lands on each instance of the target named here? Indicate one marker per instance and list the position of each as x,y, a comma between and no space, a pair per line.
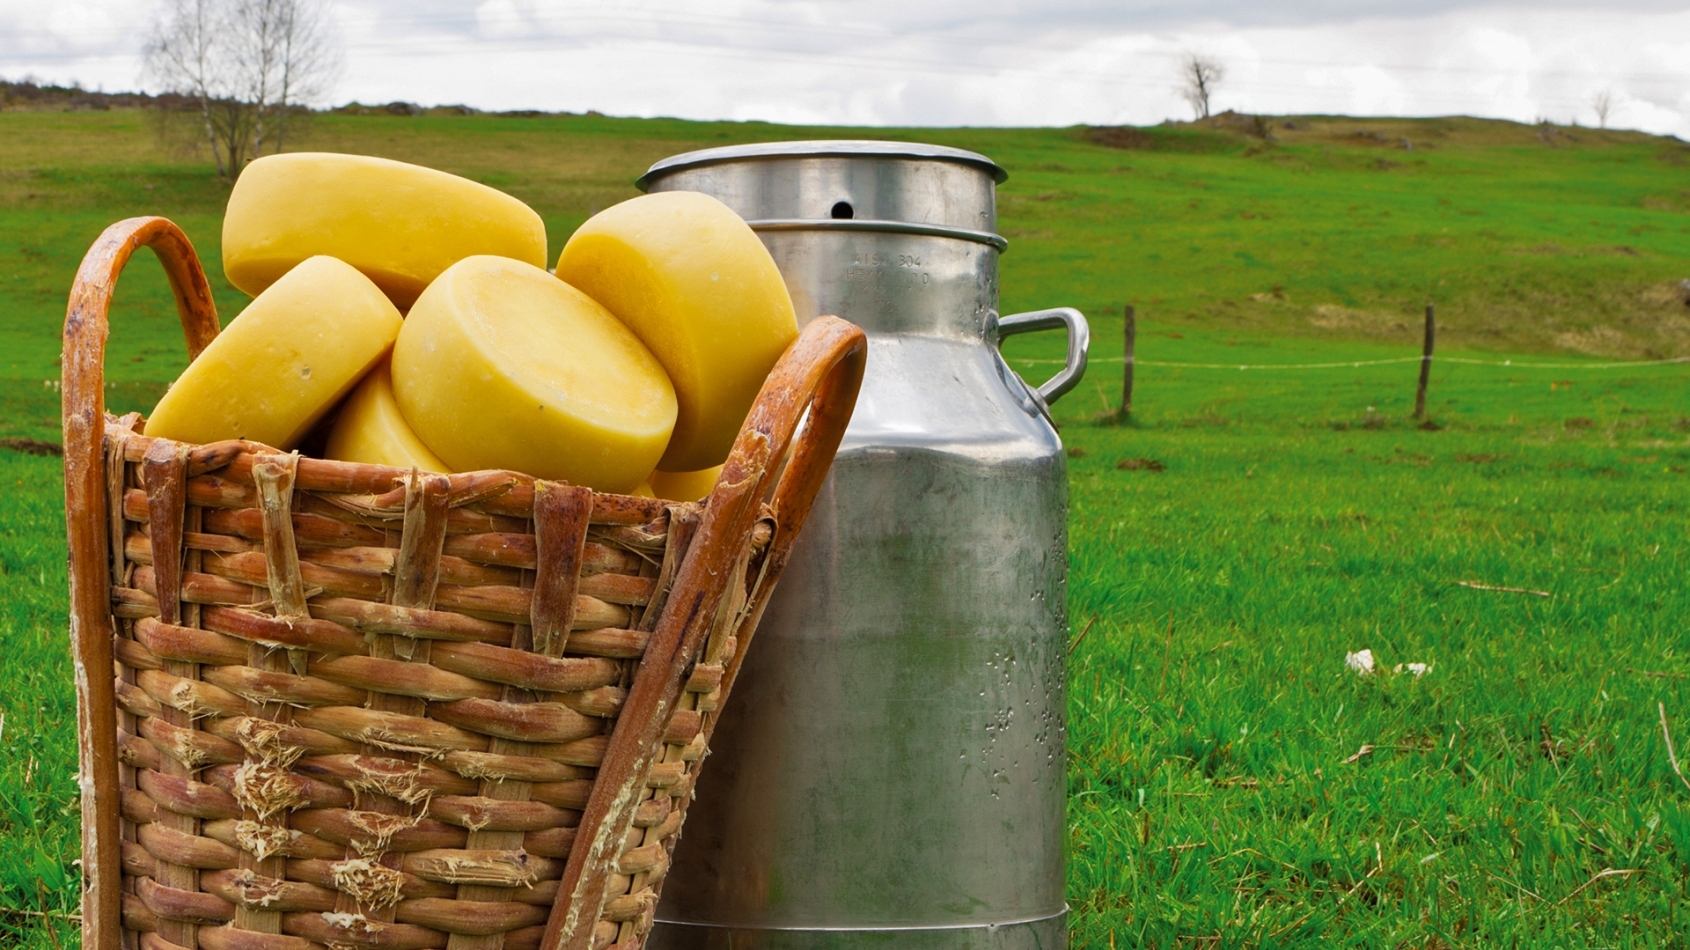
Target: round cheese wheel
400,224
692,280
501,365
685,486
284,361
371,429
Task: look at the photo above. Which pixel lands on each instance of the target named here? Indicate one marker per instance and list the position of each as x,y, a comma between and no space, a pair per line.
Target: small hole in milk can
842,211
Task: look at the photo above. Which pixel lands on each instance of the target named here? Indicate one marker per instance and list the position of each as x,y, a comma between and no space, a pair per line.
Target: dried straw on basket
360,707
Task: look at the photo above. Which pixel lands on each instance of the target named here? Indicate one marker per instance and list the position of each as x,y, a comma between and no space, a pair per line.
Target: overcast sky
952,62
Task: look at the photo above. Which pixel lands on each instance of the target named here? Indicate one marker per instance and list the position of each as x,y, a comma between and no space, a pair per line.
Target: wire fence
1351,364
1129,361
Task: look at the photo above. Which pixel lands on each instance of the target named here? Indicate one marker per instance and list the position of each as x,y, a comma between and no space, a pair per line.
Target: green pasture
1232,779
1232,783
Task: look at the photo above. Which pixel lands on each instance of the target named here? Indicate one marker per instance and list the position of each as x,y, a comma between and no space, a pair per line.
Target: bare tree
1602,104
184,54
289,60
1199,75
249,64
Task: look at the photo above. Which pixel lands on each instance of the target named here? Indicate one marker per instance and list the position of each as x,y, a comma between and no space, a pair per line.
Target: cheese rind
501,365
684,486
692,280
284,361
372,430
400,224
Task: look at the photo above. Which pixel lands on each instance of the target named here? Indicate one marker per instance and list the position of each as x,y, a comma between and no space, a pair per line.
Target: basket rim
500,491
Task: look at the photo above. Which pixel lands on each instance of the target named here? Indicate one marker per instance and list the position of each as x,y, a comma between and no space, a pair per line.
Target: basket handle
815,383
83,368
819,374
800,481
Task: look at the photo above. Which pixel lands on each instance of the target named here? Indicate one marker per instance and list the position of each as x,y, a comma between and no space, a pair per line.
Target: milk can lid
823,148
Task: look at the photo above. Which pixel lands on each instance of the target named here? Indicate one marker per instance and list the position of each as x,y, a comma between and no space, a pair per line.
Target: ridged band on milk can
892,772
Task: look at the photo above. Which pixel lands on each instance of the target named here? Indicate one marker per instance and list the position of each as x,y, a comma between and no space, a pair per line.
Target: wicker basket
355,706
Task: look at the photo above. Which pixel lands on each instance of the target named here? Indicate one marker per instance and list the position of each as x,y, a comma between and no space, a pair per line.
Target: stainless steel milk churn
891,770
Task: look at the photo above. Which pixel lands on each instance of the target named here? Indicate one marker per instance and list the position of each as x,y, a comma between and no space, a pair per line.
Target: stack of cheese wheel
404,315
401,225
501,365
284,362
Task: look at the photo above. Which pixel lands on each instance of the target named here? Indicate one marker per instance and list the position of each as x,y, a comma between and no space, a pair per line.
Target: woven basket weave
355,706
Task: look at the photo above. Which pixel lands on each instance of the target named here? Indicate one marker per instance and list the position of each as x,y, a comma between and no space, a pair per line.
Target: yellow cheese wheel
400,224
370,428
692,280
285,361
684,486
500,365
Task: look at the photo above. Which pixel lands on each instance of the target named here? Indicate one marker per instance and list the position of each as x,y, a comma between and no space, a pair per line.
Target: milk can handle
1079,342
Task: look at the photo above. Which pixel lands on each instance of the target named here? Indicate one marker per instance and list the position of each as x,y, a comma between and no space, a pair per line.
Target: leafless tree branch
1199,75
249,64
1602,103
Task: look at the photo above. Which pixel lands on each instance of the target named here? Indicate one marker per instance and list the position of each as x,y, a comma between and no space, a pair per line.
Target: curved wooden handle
831,356
819,374
86,328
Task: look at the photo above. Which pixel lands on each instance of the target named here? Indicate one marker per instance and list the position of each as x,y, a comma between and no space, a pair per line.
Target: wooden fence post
1131,331
1425,363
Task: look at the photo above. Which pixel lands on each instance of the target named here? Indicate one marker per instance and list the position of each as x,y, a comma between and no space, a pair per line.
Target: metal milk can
891,771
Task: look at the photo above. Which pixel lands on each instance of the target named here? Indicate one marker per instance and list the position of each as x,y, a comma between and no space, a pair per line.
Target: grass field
1518,794
1220,775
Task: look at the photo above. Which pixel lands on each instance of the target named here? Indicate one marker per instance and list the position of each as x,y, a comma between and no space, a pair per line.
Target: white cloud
947,62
